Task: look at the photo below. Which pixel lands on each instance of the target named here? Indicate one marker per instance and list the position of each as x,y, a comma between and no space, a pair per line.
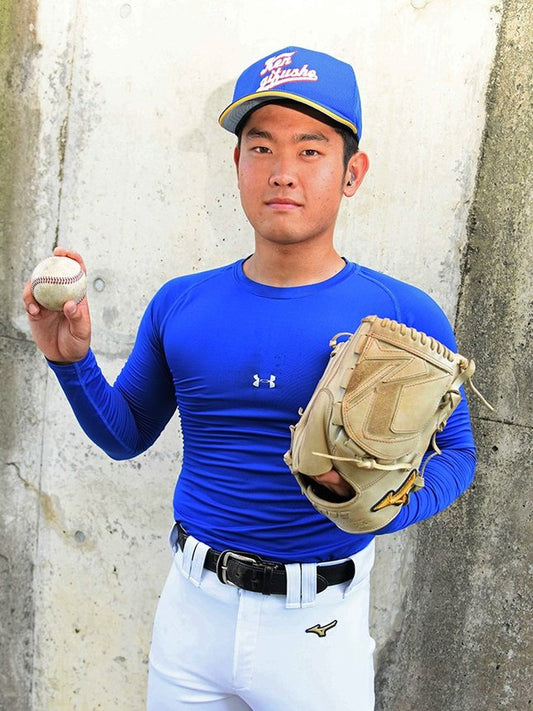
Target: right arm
123,419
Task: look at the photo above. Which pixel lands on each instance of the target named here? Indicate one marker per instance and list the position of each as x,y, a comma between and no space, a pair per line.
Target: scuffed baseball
56,280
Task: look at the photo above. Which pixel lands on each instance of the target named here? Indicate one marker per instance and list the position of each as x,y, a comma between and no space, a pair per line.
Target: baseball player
267,601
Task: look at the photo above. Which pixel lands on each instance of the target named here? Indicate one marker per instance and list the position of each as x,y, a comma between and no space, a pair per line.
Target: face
291,175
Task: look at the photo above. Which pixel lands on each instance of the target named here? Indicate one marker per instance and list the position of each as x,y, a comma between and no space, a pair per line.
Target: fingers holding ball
56,280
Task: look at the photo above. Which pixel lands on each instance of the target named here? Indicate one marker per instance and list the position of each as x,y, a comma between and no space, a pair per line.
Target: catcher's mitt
384,395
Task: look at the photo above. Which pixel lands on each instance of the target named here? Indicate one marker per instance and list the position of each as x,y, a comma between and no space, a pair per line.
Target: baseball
56,280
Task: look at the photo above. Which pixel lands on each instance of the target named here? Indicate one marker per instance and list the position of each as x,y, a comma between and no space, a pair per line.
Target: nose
281,180
282,175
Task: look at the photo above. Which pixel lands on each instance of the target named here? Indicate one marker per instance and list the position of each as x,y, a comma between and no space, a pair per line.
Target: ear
355,173
236,156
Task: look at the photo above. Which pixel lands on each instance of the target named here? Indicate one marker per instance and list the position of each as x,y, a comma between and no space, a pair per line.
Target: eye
310,152
260,149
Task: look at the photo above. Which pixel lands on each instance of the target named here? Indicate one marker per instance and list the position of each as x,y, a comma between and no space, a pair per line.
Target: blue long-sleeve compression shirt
239,359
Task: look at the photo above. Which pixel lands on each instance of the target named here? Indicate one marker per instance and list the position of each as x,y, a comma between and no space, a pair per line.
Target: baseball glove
384,395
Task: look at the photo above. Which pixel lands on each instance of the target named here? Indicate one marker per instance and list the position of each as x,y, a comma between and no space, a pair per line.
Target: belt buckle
222,564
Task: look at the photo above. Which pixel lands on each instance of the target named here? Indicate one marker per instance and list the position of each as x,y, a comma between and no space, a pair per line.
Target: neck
289,266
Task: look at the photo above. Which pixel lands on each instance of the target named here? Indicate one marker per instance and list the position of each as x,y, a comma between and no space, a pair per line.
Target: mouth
280,203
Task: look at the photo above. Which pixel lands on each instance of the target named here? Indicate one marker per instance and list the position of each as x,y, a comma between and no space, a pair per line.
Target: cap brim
231,117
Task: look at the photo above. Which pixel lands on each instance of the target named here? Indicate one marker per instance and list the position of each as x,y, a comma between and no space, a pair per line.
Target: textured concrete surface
20,496
110,145
467,641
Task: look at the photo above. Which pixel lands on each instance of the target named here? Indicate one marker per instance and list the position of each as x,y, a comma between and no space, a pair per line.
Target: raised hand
62,336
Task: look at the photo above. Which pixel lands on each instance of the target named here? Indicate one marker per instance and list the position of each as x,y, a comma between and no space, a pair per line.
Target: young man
239,350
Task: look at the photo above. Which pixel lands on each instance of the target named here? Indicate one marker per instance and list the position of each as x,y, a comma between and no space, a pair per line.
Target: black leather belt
251,572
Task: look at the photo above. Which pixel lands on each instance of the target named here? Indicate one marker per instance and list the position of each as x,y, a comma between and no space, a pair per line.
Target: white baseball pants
216,647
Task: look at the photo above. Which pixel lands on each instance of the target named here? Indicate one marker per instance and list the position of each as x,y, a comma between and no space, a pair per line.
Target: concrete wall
110,145
22,384
466,641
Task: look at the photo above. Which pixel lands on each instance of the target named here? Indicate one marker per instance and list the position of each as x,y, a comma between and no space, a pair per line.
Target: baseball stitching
56,280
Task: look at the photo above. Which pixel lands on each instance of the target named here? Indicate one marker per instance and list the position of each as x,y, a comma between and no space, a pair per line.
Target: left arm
446,476
450,473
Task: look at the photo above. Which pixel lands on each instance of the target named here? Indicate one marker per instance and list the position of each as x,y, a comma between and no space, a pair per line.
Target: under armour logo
270,382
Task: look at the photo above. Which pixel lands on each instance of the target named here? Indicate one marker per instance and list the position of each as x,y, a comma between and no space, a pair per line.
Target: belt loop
309,579
294,577
363,561
187,558
197,566
173,539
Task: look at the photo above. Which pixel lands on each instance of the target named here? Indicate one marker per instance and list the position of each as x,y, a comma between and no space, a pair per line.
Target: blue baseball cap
303,75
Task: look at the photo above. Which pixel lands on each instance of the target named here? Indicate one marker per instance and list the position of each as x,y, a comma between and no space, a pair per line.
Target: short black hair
349,139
